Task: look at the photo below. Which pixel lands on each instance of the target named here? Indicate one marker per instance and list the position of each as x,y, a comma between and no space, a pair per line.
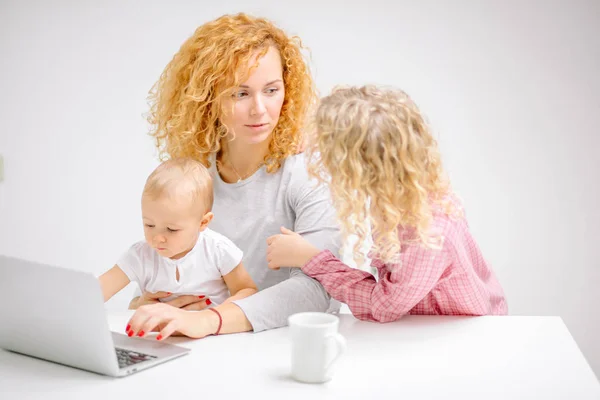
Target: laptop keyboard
128,357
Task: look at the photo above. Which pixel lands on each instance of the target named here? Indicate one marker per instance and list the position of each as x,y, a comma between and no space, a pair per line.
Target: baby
180,255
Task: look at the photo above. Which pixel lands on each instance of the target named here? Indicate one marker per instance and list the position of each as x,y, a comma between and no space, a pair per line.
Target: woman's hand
168,320
190,302
186,302
289,249
147,298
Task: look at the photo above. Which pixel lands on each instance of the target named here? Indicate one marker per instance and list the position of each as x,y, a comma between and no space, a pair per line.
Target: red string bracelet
220,320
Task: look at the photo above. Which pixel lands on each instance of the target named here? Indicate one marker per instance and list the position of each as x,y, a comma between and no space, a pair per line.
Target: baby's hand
289,249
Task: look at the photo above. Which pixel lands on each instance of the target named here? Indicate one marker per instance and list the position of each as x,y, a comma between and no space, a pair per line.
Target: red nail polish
130,333
208,302
141,333
128,328
200,297
159,337
169,293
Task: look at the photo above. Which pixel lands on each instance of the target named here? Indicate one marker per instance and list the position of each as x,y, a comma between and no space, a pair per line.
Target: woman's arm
315,222
169,320
175,320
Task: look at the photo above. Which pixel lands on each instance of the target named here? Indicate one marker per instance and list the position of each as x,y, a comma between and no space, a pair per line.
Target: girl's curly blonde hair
374,148
187,100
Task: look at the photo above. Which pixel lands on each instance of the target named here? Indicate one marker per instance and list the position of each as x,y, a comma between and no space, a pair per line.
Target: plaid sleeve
398,290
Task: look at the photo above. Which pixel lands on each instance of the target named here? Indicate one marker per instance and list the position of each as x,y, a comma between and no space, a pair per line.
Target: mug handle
340,343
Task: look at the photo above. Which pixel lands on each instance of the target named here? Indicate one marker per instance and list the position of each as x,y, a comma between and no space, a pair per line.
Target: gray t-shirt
250,211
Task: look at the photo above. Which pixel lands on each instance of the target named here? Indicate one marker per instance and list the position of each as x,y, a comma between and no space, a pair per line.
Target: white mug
316,345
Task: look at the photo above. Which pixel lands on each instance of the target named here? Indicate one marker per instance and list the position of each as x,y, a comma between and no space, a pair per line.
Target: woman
235,97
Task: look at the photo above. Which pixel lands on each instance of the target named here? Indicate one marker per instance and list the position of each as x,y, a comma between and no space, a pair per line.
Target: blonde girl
374,148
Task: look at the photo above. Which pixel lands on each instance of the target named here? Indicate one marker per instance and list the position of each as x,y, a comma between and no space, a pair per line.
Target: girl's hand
289,249
168,320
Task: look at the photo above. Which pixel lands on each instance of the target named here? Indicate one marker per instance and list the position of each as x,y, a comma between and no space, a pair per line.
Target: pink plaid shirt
453,280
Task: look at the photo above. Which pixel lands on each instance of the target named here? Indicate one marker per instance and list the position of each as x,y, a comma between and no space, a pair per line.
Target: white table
414,358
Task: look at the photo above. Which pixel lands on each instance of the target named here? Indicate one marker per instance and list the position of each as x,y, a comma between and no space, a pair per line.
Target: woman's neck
243,157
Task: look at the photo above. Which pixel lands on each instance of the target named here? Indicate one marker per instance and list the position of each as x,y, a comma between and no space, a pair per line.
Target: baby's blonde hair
373,147
182,179
188,99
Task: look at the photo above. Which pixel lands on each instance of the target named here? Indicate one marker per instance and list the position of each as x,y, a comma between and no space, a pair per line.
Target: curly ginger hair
187,100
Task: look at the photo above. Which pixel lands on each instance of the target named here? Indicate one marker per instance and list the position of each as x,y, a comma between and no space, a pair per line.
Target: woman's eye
149,226
240,95
272,90
172,230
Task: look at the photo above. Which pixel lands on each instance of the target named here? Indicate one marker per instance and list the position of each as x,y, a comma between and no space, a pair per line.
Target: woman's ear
206,220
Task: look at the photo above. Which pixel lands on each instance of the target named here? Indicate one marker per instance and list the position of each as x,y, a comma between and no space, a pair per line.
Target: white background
511,88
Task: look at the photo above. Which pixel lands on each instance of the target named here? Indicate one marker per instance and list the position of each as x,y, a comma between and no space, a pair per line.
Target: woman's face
253,110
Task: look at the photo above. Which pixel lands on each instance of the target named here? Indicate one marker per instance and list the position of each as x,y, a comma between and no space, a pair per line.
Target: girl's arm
112,281
400,287
239,283
398,290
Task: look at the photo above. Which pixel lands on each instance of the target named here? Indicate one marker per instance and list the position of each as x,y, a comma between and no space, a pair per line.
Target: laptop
57,314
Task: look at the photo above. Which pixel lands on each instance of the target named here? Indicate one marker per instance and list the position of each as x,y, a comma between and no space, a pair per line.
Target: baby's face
171,227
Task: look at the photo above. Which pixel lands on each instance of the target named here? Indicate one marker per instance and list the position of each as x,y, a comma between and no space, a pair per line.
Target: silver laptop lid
55,314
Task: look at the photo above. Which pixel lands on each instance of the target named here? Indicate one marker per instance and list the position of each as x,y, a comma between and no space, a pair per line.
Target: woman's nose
258,106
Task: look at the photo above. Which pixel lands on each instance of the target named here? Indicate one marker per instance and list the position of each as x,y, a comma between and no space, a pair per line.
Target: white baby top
201,271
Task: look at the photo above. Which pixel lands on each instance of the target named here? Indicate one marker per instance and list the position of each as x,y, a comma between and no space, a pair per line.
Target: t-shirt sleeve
315,215
315,221
229,256
132,264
